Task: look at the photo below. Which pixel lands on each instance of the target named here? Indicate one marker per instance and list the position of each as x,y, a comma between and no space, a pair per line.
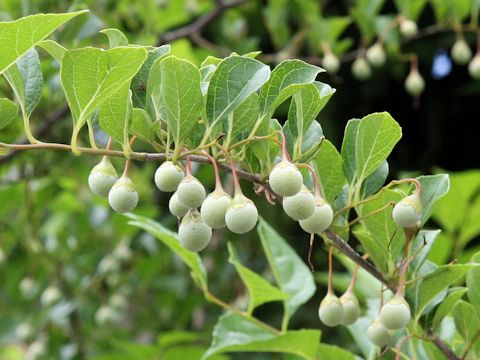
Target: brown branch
196,26
348,251
444,348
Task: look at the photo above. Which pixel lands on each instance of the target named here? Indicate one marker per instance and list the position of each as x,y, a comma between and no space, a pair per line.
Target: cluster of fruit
375,56
217,210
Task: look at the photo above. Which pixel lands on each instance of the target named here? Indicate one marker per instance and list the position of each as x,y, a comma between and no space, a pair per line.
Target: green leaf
116,114
453,296
140,81
466,320
26,80
411,9
90,76
473,283
234,80
434,283
329,166
53,48
375,180
348,149
19,36
332,352
433,188
8,112
181,96
115,37
386,239
422,244
259,289
244,118
142,126
287,78
207,73
291,274
170,239
306,105
234,333
376,137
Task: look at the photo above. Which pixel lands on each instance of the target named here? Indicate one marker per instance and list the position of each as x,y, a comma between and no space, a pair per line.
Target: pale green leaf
234,80
259,289
436,282
473,283
386,239
287,78
244,117
306,105
234,333
17,37
116,114
291,274
422,244
181,96
115,37
140,80
453,296
332,352
90,76
349,148
8,112
170,239
142,126
433,188
467,320
25,78
329,166
376,137
54,49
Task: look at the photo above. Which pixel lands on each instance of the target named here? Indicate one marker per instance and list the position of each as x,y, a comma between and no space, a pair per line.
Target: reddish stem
218,182
310,249
285,154
316,181
354,278
188,167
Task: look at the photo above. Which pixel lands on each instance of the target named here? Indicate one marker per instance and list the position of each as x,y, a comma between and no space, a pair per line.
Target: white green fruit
285,179
351,308
474,67
331,311
301,205
461,52
408,28
378,334
376,55
193,233
50,296
407,212
361,69
123,196
168,176
241,215
395,314
176,207
414,83
191,192
102,177
320,220
214,208
331,63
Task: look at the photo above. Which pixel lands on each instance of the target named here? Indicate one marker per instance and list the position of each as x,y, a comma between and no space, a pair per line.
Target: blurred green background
122,293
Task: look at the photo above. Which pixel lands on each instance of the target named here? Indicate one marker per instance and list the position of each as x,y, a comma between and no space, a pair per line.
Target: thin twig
444,348
196,26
